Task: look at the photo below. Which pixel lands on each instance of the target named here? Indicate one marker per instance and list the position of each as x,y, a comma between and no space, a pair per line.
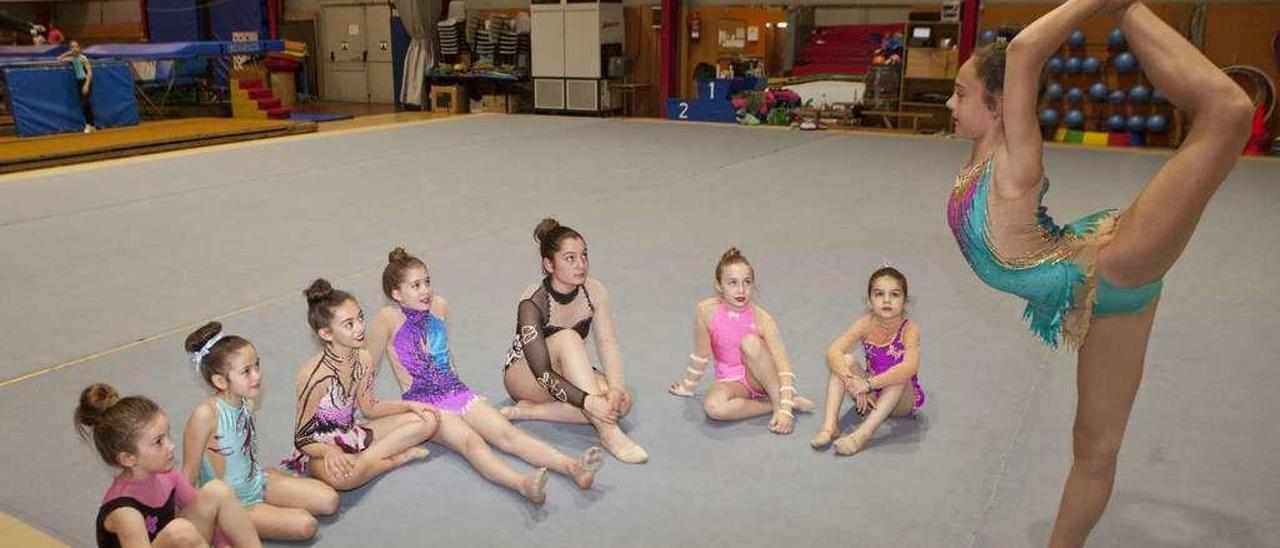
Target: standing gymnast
416,332
1105,269
548,372
328,442
221,441
753,375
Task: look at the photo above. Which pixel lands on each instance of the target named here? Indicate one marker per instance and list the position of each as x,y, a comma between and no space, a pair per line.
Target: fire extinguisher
695,27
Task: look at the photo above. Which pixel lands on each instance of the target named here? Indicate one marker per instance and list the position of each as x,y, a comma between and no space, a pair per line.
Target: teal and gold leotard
1052,267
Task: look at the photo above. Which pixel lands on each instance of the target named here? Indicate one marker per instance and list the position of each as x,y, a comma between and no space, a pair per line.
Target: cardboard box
451,99
932,63
500,103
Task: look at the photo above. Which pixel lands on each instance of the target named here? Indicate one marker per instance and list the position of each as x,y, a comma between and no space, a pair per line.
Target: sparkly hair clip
198,355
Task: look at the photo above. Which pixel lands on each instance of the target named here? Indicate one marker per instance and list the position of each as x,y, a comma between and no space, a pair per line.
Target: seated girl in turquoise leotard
221,442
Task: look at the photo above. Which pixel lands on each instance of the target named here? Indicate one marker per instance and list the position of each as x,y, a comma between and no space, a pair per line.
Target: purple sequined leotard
422,346
884,358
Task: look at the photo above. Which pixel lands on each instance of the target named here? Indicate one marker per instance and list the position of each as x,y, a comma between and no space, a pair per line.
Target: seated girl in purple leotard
889,385
416,333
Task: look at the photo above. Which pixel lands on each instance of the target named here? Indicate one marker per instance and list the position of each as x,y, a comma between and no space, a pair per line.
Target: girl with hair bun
329,444
1093,283
889,385
548,371
414,333
150,503
221,441
753,374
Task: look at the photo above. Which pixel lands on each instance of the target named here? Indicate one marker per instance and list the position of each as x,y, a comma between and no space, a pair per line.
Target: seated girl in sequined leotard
889,386
221,441
151,503
329,444
415,335
753,374
548,371
1094,283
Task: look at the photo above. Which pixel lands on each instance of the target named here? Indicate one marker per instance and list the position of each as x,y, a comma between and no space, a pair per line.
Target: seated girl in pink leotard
888,386
753,374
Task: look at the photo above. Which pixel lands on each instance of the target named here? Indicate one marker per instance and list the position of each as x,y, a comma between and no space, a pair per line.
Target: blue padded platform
162,50
47,50
182,50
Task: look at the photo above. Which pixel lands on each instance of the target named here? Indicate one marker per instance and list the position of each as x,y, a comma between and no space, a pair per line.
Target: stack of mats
289,59
45,98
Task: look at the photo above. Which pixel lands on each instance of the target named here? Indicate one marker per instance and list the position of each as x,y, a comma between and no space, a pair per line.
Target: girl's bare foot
584,471
410,454
535,486
782,422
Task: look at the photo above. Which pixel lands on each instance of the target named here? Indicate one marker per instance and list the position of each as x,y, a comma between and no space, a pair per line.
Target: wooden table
630,93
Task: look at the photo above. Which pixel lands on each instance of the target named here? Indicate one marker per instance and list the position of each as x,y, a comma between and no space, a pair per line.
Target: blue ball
1091,65
1076,39
988,36
1075,119
1053,91
1116,122
1055,65
1139,94
1116,97
1074,65
1115,40
1049,117
1098,92
1125,62
1136,123
1075,96
1157,124
1157,96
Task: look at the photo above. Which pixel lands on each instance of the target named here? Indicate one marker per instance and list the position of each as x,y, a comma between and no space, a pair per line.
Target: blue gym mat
319,116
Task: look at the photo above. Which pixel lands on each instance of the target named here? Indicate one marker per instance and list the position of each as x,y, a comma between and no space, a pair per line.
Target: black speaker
924,16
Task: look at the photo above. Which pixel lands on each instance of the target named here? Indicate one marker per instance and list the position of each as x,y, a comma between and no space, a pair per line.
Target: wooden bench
885,115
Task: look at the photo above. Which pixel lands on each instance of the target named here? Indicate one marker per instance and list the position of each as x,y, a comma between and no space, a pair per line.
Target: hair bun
200,337
731,253
95,400
319,290
544,229
398,255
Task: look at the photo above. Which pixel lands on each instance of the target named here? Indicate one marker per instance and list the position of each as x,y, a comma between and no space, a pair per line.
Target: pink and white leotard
728,328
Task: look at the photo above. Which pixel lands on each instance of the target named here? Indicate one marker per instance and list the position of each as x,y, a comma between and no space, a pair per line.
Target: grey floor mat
96,259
